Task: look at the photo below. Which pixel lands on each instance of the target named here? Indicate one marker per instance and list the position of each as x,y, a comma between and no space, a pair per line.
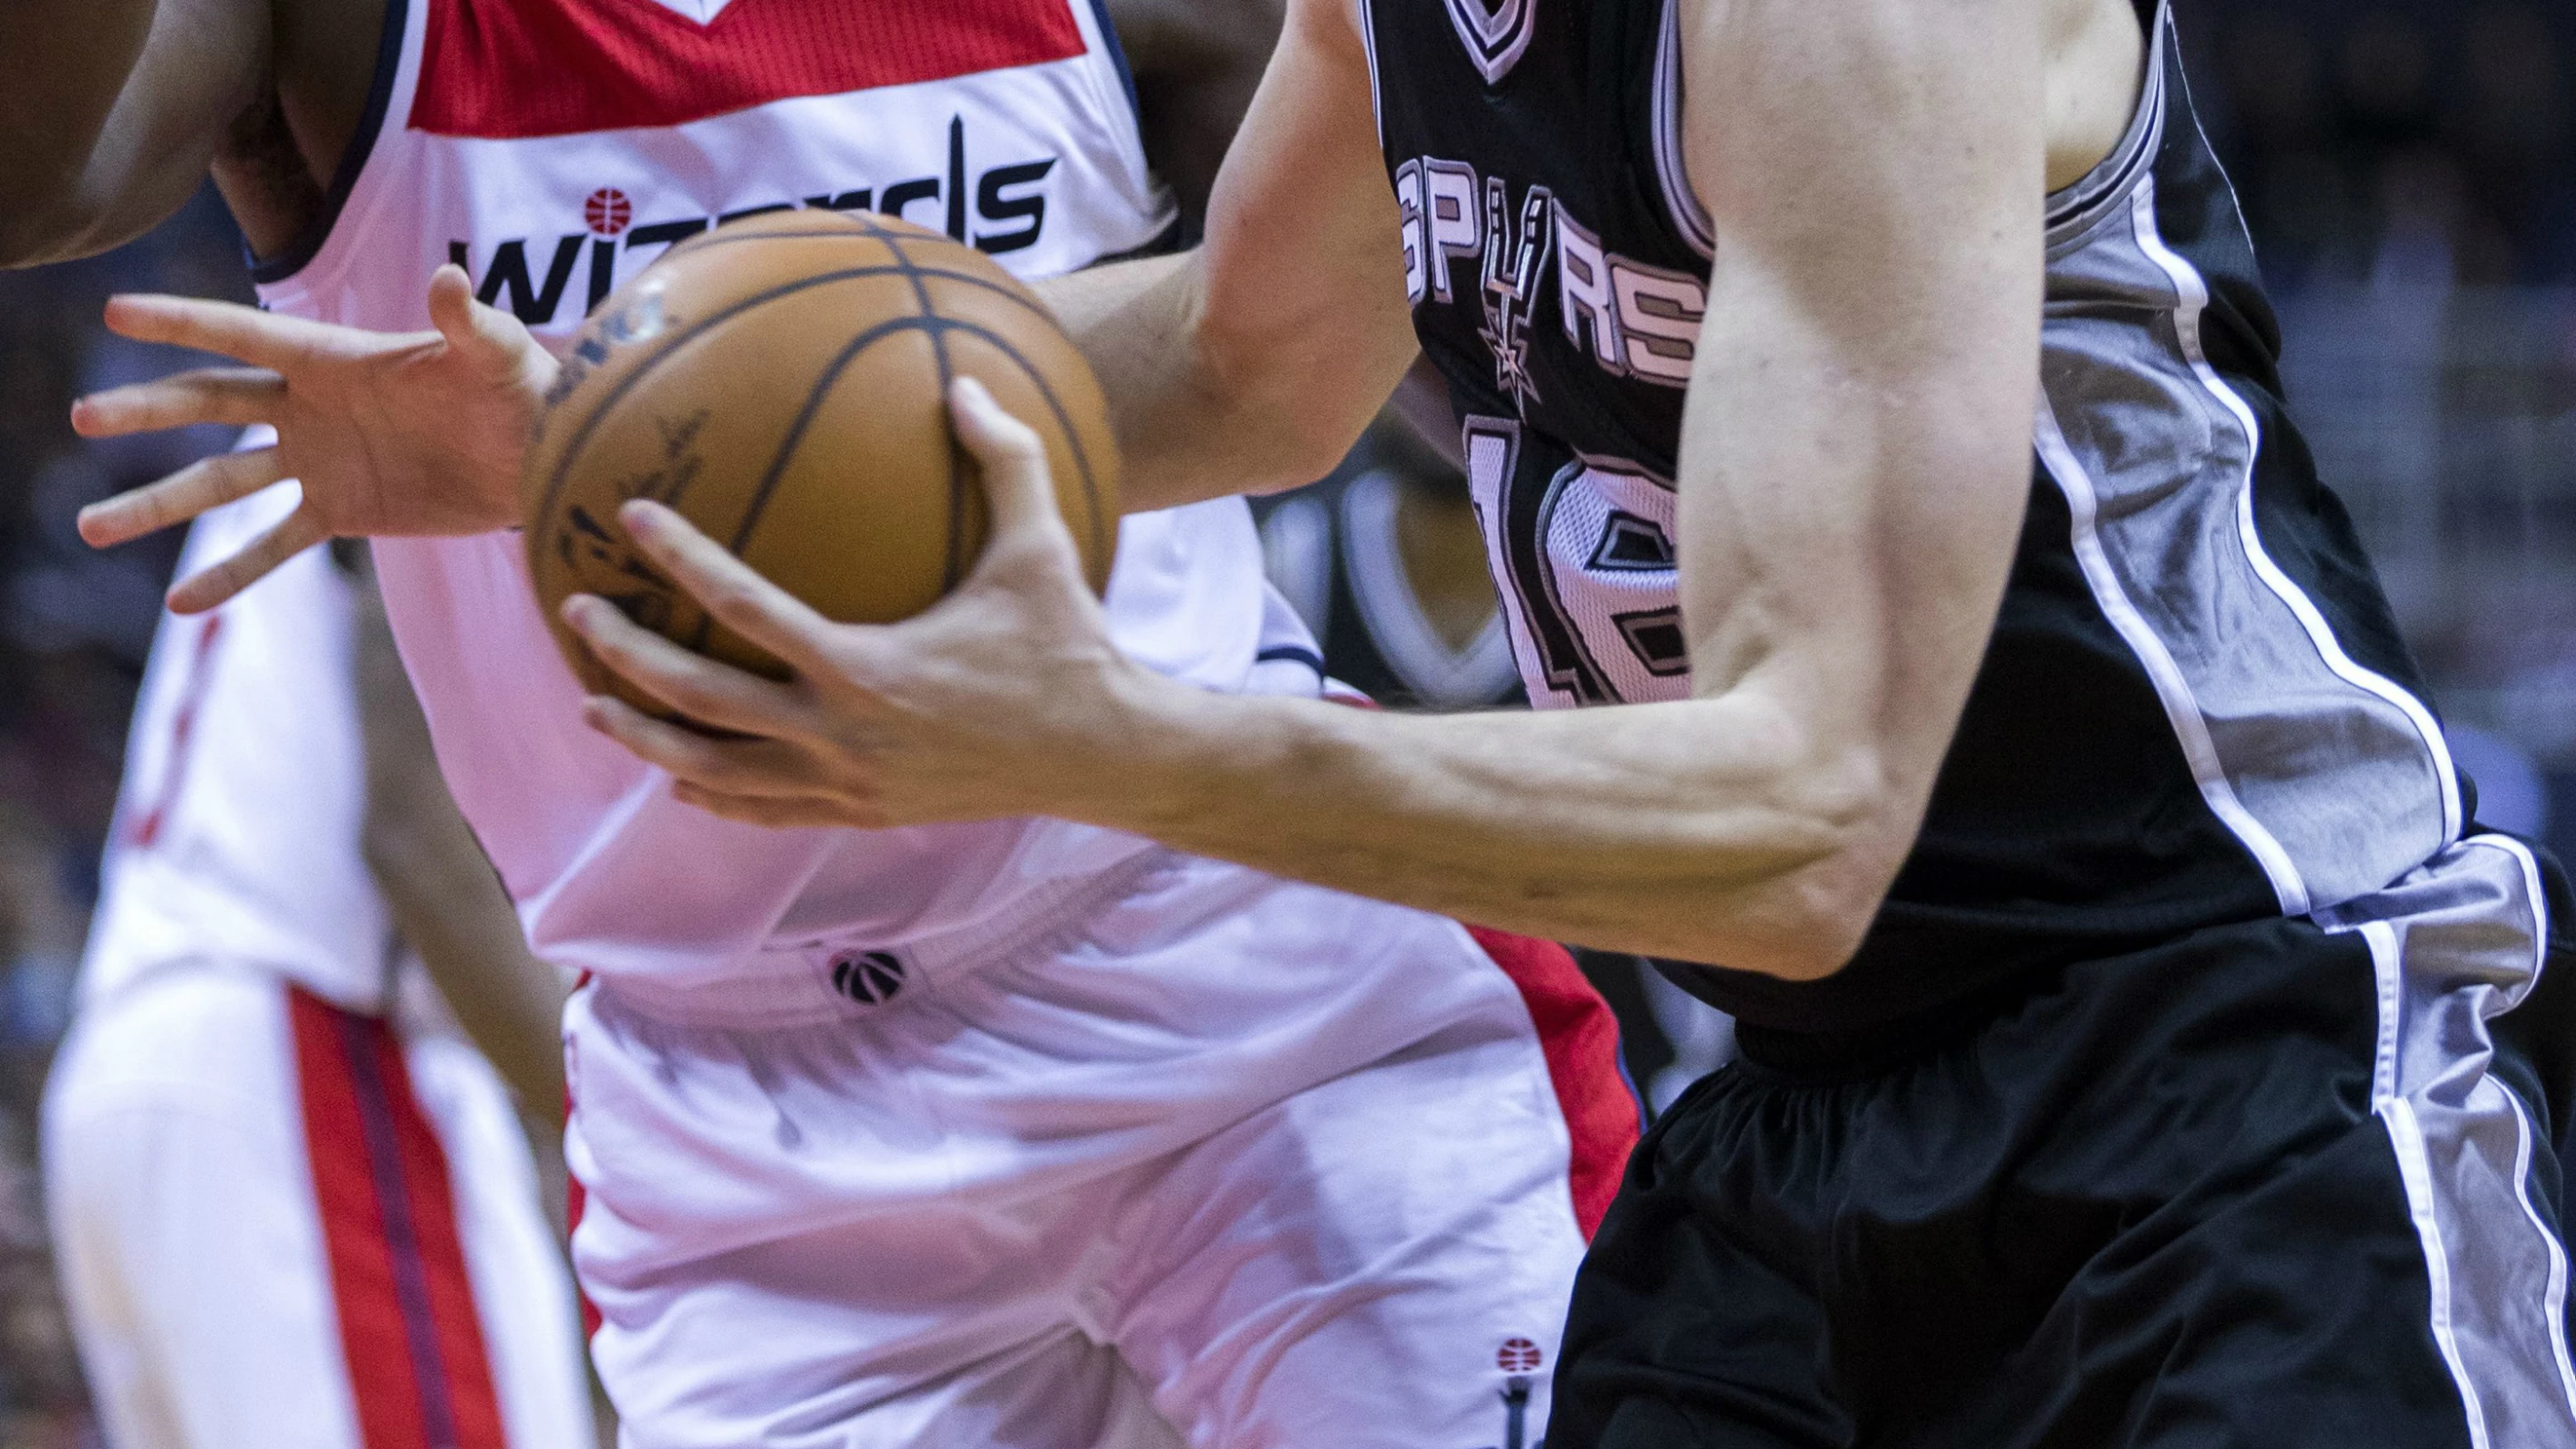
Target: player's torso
554,148
1557,266
2194,708
237,832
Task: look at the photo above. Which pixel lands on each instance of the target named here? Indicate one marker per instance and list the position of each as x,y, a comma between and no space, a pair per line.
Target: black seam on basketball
1063,424
554,485
937,326
684,336
661,354
915,273
953,567
813,404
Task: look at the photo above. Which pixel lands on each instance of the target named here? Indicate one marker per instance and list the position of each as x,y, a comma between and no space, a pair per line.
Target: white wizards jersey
237,829
554,148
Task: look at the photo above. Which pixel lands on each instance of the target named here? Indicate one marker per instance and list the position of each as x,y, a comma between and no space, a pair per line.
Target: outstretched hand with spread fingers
1007,697
389,433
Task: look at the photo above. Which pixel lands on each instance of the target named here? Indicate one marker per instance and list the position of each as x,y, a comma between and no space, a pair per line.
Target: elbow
23,243
394,862
1814,935
39,220
34,233
1302,454
1283,426
1810,917
403,857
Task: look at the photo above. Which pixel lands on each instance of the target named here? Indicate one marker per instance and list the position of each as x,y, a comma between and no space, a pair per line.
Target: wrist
1165,749
507,504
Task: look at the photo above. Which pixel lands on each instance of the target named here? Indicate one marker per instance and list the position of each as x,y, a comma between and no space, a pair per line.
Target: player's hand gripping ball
782,383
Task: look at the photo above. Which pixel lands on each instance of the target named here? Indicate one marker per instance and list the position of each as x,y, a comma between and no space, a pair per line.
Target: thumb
485,335
1014,463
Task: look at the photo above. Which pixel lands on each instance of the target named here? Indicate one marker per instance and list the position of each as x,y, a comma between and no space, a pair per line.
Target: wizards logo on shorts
870,978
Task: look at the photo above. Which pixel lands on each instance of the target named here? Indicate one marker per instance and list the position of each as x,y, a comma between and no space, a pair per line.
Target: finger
210,588
706,690
207,483
232,396
777,812
726,587
753,767
1011,459
487,336
266,339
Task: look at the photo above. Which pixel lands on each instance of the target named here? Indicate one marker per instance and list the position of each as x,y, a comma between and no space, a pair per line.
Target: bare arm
1853,472
445,899
1854,467
1253,362
111,111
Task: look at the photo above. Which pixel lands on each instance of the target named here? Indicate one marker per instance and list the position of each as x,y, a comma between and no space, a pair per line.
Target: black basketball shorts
2274,1185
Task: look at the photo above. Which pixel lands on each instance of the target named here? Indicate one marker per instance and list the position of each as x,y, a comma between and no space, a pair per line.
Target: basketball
782,383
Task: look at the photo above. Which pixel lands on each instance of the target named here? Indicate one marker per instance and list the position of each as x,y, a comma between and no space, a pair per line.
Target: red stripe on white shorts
408,1326
576,1196
1581,1040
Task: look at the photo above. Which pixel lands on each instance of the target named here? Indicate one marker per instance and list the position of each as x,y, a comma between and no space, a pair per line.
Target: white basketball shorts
1200,1157
279,1223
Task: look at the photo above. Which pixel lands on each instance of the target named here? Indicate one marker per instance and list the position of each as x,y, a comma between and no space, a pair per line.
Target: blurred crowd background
2409,170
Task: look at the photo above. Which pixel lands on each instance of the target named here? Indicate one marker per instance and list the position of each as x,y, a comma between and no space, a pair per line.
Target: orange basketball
782,384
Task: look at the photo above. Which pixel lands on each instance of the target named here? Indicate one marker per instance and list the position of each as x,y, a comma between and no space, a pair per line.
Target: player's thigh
190,1251
780,1251
522,1286
922,1329
1063,1391
1383,1259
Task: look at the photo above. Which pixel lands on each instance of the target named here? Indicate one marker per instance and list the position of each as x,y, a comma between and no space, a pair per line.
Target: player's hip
1378,1259
1104,1035
2292,1144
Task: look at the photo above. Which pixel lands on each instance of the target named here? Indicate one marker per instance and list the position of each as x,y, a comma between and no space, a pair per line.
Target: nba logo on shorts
1518,1358
868,977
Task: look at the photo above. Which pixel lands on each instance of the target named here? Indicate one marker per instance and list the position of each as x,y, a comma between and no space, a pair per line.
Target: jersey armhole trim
1173,236
300,253
2077,208
1672,168
1117,53
1366,14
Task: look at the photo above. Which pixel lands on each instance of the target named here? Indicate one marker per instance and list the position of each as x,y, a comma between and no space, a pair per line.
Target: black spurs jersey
2195,707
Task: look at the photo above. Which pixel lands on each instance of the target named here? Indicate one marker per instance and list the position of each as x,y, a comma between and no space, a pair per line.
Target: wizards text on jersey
997,209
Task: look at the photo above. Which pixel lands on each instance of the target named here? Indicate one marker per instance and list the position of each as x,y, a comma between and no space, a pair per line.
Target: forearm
110,113
445,899
1703,830
453,914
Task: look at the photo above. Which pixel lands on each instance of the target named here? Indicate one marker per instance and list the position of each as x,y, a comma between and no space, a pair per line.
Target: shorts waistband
830,980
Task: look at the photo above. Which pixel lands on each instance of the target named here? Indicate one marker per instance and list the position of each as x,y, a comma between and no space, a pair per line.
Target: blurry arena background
2409,170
